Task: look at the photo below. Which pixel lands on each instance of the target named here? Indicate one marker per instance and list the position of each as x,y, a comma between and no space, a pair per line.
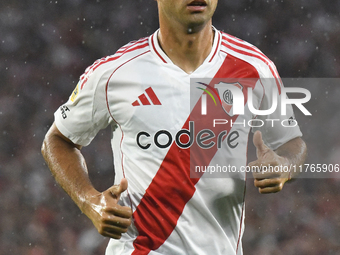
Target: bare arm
291,153
68,167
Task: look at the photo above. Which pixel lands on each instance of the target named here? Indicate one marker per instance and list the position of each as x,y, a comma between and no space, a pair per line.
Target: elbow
43,148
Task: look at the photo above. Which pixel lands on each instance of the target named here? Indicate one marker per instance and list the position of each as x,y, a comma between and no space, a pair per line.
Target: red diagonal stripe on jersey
157,214
257,55
144,100
152,96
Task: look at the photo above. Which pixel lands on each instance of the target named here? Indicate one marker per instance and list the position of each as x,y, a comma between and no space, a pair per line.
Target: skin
68,167
186,37
291,153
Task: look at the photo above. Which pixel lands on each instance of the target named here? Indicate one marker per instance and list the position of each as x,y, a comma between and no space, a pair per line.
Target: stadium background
46,45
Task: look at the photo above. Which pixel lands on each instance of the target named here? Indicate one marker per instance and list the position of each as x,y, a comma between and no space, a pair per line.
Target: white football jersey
163,150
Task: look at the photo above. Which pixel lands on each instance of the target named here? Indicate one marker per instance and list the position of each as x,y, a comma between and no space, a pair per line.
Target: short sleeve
85,112
277,128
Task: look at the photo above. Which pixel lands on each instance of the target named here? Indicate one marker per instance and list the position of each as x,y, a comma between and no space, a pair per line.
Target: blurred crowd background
46,45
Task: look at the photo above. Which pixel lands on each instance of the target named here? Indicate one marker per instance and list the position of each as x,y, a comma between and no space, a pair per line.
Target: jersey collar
156,48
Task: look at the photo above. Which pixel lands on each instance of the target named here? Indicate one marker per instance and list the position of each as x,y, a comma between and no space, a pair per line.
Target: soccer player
143,93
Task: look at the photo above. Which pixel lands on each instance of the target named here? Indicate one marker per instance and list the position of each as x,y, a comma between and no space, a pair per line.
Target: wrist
89,200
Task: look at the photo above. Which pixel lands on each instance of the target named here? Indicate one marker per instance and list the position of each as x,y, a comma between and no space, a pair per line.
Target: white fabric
212,220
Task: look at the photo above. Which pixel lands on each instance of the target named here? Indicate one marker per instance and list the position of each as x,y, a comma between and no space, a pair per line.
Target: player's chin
196,24
200,16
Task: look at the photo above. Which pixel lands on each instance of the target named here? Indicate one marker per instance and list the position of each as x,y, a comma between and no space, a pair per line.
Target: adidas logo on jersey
147,98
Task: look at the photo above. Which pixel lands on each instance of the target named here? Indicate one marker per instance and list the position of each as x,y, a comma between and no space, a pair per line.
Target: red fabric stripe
217,46
157,214
241,221
243,207
241,43
117,55
257,53
132,44
135,103
261,57
152,96
153,45
144,100
136,47
108,107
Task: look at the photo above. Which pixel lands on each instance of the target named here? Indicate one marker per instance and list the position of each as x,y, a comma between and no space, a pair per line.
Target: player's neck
185,48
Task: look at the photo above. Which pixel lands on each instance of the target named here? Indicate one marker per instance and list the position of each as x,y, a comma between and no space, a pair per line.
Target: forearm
295,151
68,167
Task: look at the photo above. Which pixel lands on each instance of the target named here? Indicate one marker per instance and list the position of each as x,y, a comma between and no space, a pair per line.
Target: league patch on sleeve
75,93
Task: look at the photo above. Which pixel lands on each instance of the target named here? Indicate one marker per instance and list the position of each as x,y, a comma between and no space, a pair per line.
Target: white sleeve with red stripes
277,128
85,113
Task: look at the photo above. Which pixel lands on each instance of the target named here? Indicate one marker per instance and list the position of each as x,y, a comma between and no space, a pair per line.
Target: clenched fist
110,218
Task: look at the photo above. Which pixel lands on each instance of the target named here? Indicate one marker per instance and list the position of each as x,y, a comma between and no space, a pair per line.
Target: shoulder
105,66
126,52
247,52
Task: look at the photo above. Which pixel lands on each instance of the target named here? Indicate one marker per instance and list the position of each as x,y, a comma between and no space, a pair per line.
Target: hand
110,219
266,179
